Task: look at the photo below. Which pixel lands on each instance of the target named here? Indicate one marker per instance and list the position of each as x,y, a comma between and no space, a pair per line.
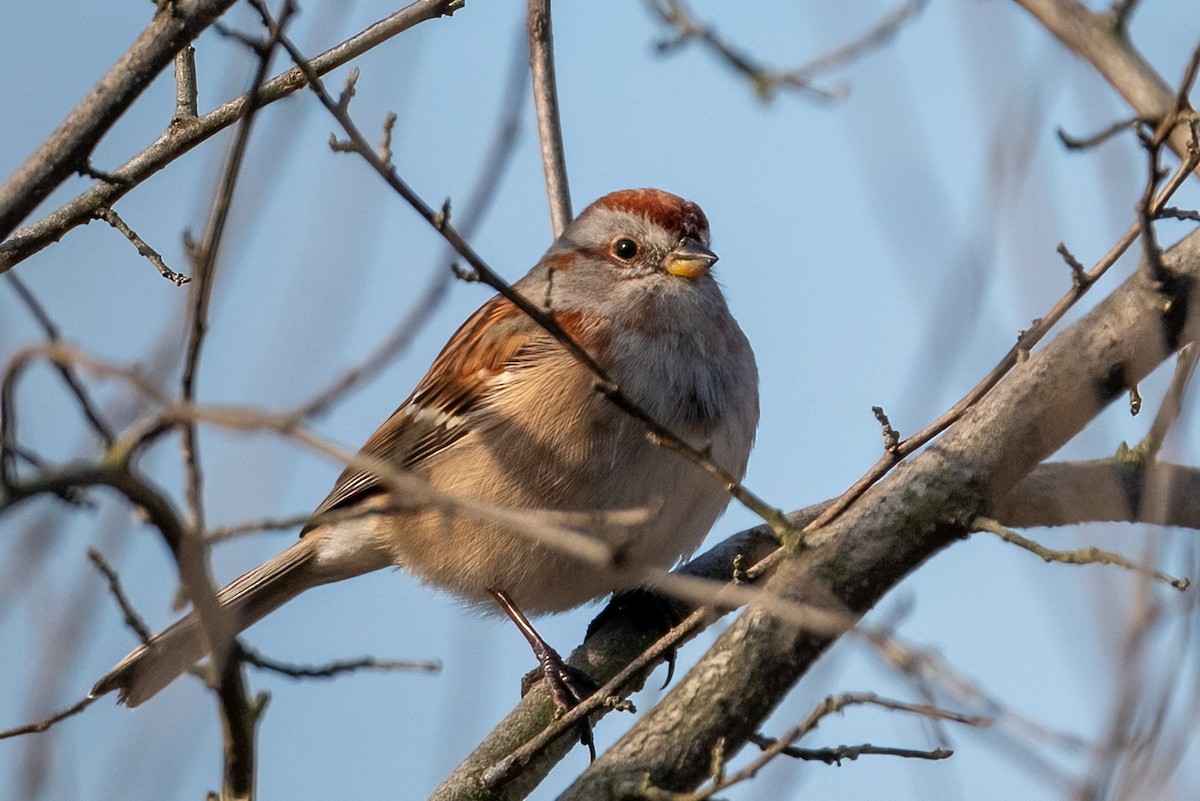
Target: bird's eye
625,249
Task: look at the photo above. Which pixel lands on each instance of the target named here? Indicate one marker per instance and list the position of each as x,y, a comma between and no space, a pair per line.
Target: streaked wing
439,412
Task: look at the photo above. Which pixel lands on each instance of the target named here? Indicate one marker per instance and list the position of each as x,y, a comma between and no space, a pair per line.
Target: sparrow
507,416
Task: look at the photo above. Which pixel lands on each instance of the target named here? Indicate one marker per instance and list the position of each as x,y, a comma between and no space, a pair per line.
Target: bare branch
186,108
43,725
545,101
132,618
1095,38
1082,556
334,669
179,139
150,254
1018,353
685,27
838,754
86,405
68,147
1128,488
1088,142
831,705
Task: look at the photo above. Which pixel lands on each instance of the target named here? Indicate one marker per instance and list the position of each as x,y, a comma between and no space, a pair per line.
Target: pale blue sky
882,250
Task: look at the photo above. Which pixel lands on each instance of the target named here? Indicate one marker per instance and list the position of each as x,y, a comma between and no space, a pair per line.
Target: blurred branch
494,164
1121,11
933,678
181,136
239,715
86,405
1127,489
204,260
685,28
58,156
545,101
561,530
1172,403
1099,39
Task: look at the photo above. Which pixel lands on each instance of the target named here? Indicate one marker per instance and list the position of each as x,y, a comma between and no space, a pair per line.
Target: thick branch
923,506
1051,495
1105,490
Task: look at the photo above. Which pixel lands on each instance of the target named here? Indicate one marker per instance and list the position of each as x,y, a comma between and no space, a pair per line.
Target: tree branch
900,522
174,25
545,101
181,137
1052,494
1100,40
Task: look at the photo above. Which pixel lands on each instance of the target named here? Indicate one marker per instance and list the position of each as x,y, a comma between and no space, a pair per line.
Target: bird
508,416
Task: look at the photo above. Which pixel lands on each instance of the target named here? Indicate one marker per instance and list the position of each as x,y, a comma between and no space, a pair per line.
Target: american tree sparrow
507,416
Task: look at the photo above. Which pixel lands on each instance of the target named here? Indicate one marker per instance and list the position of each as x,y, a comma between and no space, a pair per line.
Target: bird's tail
250,597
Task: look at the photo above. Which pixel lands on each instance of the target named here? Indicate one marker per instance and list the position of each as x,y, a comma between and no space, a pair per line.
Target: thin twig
132,618
1082,556
80,392
1088,142
842,753
873,38
545,102
831,705
765,80
46,723
333,669
151,255
239,714
685,27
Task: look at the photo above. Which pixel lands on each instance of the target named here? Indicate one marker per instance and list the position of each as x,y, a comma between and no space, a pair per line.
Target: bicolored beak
689,259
